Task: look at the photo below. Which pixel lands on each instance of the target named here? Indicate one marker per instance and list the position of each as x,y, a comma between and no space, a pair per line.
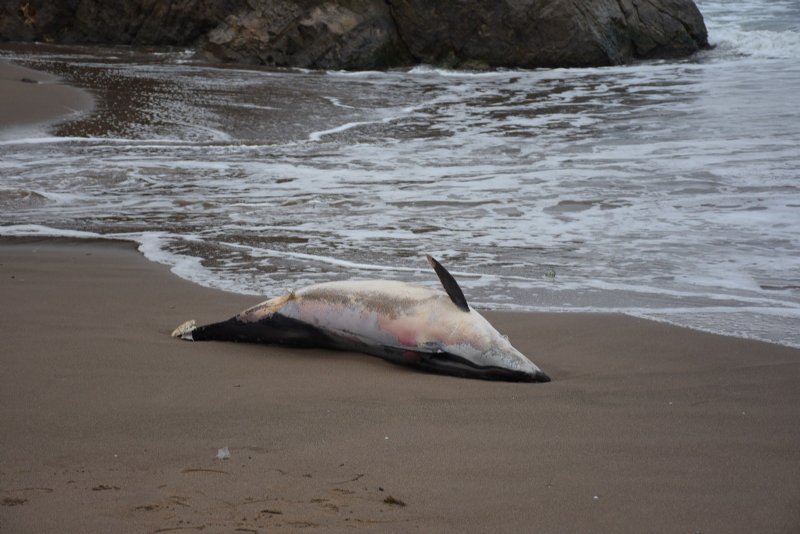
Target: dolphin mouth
451,364
541,376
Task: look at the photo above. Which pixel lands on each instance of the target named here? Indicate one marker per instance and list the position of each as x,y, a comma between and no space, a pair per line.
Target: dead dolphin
403,323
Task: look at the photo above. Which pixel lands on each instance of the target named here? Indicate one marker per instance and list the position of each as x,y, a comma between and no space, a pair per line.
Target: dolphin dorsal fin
450,285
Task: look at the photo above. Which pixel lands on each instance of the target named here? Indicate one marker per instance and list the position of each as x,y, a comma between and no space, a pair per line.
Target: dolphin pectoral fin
450,285
184,331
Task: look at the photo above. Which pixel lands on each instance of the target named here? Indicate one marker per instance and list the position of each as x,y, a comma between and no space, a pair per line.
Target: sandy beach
110,425
31,97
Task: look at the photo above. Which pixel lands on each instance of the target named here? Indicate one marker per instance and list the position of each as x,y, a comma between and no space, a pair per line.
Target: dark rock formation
362,34
142,22
346,34
548,33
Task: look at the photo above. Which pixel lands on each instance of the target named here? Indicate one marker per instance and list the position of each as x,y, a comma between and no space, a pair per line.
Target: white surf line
39,140
720,331
38,230
763,305
340,263
764,302
316,136
338,103
100,141
649,290
639,311
252,106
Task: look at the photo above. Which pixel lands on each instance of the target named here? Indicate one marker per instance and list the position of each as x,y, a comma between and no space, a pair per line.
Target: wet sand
111,425
31,97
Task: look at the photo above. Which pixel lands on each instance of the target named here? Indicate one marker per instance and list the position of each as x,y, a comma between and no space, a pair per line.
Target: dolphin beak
455,365
540,376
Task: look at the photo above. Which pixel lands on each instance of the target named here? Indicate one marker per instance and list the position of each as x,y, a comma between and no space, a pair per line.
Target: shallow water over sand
668,190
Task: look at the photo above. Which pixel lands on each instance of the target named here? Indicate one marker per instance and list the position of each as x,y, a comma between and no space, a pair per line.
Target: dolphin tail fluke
275,329
184,331
230,330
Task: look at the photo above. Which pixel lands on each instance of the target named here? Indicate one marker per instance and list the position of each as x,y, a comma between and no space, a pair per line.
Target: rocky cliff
369,34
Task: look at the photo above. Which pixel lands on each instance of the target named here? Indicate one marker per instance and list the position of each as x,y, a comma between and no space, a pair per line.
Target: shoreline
71,236
110,424
33,99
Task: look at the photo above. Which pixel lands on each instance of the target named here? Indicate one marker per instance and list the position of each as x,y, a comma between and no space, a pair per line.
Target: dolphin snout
540,376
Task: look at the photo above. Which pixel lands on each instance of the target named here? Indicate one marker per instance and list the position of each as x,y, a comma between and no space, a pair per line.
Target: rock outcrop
369,34
346,34
548,33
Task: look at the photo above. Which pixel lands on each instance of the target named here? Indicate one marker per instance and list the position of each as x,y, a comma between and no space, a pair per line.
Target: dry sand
30,97
110,425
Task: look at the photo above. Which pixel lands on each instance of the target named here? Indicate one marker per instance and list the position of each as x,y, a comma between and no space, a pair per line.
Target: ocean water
666,189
